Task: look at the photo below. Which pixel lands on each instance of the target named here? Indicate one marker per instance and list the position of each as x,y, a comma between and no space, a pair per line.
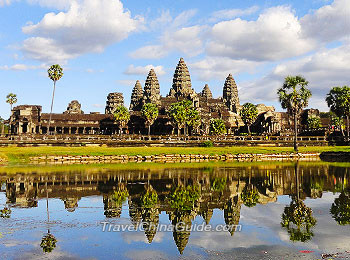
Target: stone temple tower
136,97
230,94
206,92
182,86
114,100
151,92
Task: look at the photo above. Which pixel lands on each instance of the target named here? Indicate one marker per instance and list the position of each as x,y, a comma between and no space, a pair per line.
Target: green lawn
21,154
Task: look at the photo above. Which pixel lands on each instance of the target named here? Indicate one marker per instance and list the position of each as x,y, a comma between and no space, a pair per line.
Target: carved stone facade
206,92
230,94
28,119
151,92
114,100
74,107
136,97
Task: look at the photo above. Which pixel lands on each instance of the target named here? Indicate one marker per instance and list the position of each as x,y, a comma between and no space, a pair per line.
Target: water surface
270,211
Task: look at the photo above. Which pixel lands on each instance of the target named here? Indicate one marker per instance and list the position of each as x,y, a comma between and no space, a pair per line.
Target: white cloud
143,70
324,69
59,4
88,26
232,13
22,67
176,35
329,23
128,82
275,35
219,67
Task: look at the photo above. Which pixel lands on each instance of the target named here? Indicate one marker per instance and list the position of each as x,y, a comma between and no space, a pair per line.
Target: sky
106,45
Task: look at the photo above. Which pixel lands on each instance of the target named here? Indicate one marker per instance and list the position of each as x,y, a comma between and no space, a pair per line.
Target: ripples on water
283,210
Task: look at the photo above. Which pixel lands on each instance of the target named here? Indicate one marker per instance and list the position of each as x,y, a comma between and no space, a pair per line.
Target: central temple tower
182,86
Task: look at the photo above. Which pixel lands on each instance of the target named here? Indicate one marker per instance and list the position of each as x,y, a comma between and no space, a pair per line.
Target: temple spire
230,94
151,92
206,92
136,97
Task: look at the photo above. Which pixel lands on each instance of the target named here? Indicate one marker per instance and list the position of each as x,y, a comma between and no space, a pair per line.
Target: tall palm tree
149,112
11,99
294,96
55,73
122,117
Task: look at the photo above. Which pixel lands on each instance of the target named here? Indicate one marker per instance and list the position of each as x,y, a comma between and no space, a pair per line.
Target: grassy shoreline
22,154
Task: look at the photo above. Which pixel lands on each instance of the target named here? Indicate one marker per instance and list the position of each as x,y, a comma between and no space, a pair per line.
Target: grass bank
22,154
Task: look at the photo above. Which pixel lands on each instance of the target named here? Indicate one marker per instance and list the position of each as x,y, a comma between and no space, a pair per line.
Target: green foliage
340,209
149,199
336,121
207,144
5,213
294,96
313,122
298,220
217,127
182,113
48,243
55,72
218,184
11,99
121,116
249,113
250,196
338,100
183,198
150,113
120,195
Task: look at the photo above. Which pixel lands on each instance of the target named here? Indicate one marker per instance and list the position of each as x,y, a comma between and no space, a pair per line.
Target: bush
207,144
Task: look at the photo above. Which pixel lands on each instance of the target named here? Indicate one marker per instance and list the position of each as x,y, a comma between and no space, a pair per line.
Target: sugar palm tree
11,99
55,73
48,242
150,113
294,96
122,117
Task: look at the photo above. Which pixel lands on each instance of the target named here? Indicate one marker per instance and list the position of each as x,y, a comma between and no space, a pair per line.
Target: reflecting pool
294,210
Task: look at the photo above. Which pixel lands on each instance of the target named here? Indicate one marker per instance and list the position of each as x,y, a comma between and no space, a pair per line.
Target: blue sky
106,45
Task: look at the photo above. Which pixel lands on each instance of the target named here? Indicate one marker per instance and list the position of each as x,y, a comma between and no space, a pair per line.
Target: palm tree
55,73
149,112
294,96
48,242
338,100
122,117
11,99
249,113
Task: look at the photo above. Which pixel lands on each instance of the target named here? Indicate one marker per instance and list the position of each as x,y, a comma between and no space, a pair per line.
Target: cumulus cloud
88,26
329,23
176,35
323,70
275,35
5,2
219,67
143,70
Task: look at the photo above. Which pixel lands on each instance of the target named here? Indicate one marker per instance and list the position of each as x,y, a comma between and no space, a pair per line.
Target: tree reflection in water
185,193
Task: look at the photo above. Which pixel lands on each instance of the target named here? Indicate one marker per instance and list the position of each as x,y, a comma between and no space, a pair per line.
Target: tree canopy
121,116
340,209
55,72
150,113
338,100
217,127
249,113
313,122
183,113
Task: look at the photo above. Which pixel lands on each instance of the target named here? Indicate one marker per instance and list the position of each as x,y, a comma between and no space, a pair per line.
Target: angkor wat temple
29,119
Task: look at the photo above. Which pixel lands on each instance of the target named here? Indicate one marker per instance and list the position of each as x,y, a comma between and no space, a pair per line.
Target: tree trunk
53,97
178,130
120,130
149,132
347,126
248,126
296,169
3,129
295,133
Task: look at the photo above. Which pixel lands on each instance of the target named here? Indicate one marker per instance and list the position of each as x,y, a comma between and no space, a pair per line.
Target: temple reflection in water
183,194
